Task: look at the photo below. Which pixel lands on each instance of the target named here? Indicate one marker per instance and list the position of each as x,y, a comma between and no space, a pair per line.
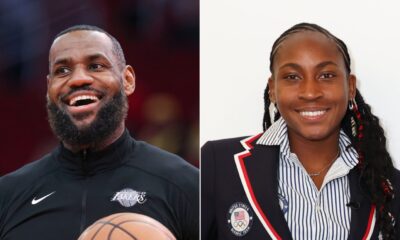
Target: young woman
320,170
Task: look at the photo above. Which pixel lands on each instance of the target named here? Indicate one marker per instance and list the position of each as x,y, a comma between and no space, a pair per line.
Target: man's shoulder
28,173
163,164
153,154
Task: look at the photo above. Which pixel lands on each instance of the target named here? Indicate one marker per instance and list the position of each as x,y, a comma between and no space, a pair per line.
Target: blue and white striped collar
276,134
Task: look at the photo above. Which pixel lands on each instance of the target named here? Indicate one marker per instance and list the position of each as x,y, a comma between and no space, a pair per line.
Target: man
98,169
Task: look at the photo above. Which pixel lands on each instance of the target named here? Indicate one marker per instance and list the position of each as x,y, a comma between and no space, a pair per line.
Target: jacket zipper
84,194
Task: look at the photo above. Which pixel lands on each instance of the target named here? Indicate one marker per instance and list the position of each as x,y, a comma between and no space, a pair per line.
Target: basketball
127,226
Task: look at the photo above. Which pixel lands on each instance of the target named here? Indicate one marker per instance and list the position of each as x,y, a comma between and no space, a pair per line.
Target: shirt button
318,208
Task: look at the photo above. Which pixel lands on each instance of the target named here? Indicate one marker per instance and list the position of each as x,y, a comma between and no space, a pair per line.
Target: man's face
84,82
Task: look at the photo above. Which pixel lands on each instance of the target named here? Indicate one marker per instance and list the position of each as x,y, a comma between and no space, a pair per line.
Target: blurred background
160,39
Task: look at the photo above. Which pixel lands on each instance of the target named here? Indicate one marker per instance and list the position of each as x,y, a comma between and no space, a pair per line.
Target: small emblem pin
240,219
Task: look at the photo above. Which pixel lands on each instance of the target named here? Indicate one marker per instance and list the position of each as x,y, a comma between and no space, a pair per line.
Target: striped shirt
311,213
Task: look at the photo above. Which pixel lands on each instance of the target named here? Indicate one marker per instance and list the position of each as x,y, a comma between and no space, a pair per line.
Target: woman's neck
316,156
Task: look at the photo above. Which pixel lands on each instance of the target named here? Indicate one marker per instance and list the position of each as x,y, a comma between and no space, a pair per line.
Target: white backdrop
235,40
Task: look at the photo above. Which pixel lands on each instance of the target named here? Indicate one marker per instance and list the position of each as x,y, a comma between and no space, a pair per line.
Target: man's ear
128,80
271,93
352,86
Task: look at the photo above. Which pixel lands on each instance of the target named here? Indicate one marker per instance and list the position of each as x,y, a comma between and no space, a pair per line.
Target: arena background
236,39
161,41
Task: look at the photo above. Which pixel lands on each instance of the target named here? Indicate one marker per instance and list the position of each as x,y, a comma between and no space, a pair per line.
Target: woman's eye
292,77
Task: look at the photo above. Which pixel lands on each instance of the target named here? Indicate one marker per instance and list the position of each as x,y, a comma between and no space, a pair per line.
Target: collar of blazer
257,166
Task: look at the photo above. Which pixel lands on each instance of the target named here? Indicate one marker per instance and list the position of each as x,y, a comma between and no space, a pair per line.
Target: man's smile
82,101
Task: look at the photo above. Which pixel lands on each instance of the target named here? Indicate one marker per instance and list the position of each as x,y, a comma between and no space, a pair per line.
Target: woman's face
310,85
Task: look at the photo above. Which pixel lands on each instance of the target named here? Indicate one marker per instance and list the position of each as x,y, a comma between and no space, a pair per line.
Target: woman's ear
352,86
271,93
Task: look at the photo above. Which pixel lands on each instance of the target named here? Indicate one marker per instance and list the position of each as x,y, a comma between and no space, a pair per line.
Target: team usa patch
240,219
128,197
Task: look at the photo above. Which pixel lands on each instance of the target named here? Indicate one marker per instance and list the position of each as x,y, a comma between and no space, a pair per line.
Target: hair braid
267,102
267,117
375,164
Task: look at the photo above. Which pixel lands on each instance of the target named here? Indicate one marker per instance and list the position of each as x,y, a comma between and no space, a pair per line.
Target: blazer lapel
362,211
258,168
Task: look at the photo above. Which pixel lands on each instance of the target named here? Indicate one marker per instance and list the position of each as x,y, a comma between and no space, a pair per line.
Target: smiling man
98,169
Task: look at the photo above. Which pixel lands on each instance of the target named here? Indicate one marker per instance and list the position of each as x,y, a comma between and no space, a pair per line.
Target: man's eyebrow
97,56
91,57
62,61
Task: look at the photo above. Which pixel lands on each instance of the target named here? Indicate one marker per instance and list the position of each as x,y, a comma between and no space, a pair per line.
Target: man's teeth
312,113
73,101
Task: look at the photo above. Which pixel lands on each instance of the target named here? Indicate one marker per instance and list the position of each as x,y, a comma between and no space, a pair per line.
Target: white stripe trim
371,229
246,188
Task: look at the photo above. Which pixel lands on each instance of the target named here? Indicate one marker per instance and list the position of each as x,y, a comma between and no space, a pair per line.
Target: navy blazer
240,171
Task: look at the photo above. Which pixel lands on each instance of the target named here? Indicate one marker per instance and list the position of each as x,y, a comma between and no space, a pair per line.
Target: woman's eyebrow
326,63
292,65
297,66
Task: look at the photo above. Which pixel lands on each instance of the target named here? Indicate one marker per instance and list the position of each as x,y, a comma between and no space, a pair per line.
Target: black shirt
60,195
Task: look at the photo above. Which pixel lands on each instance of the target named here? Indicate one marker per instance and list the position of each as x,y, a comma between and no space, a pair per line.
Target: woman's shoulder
235,143
227,146
396,178
226,140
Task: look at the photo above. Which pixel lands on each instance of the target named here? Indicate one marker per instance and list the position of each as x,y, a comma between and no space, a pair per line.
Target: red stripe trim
251,140
370,219
250,188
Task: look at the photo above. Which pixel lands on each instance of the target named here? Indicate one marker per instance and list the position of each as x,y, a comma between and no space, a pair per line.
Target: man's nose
80,77
310,89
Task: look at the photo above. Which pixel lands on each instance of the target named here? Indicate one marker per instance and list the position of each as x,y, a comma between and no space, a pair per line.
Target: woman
320,170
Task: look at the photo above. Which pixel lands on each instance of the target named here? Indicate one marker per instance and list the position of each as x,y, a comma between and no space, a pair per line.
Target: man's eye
327,75
96,66
61,71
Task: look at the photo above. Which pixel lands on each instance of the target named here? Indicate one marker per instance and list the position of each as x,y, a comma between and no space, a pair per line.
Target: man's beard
108,118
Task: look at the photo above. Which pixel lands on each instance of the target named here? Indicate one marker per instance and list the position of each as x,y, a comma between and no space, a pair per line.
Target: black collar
87,163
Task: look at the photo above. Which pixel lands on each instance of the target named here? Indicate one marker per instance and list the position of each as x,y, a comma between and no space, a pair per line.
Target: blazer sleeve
208,219
396,202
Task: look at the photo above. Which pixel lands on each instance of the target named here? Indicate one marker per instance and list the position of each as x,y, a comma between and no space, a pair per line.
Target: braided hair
366,135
